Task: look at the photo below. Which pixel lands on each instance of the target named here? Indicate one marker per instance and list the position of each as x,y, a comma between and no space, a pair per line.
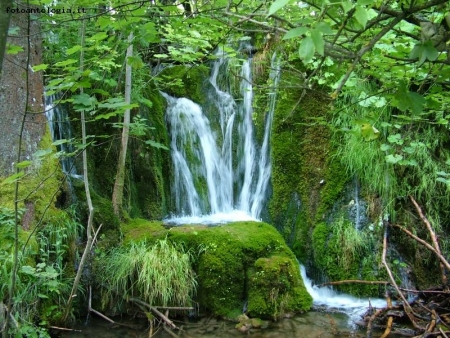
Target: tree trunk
117,196
5,15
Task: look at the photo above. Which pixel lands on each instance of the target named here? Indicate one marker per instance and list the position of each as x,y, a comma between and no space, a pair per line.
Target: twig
443,333
173,334
155,310
354,281
175,307
103,316
433,239
64,329
369,324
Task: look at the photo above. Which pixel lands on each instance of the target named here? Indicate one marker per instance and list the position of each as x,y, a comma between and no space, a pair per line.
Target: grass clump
159,275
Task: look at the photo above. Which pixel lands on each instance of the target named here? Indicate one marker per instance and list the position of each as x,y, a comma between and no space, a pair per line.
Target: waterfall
61,132
220,173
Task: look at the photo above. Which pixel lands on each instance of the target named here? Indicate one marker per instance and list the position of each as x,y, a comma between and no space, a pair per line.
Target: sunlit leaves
13,49
361,15
42,66
84,102
73,50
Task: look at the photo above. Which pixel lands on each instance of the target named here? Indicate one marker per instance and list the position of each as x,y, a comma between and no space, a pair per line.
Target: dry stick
433,238
408,310
173,334
63,329
388,329
103,316
369,324
443,333
421,241
354,281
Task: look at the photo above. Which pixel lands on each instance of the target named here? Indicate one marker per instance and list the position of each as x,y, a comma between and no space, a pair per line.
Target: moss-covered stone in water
139,229
233,254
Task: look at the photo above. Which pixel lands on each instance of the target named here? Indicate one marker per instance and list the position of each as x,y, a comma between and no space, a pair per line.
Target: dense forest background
360,142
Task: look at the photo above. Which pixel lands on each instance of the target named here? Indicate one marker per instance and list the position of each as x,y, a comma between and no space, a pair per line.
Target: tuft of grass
159,275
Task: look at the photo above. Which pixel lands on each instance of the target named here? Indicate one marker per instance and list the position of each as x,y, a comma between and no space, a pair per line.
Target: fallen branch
64,329
155,310
103,316
390,321
369,324
355,281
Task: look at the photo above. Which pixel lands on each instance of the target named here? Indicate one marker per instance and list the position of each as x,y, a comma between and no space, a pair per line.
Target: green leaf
424,51
369,132
346,6
295,32
319,43
135,62
23,164
361,16
396,139
98,37
277,5
73,50
161,56
306,49
324,28
394,158
13,31
13,49
42,66
65,63
59,142
84,102
365,2
13,178
156,144
404,100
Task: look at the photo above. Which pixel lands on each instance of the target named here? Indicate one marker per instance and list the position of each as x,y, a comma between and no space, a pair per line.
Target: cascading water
61,131
210,184
332,300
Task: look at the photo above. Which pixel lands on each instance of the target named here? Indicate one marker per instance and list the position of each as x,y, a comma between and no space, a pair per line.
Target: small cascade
220,173
61,131
335,301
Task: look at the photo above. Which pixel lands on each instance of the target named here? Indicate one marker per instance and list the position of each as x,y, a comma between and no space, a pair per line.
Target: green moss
185,81
140,229
274,288
227,263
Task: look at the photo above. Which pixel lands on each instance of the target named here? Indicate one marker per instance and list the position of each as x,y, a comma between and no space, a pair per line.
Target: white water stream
220,174
336,301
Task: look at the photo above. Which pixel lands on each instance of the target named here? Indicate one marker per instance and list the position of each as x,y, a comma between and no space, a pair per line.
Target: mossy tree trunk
117,196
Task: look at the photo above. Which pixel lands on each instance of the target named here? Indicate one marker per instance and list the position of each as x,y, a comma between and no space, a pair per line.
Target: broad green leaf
324,28
65,63
385,147
84,102
156,144
98,37
42,66
13,178
277,5
59,142
72,50
364,2
161,56
317,38
396,139
295,32
116,102
424,51
406,100
13,49
135,62
394,158
346,6
306,49
369,132
361,15
23,164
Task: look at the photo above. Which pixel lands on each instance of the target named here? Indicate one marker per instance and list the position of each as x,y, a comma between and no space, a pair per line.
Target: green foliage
159,274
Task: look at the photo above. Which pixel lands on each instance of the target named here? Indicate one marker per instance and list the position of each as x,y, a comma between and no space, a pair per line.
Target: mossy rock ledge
244,262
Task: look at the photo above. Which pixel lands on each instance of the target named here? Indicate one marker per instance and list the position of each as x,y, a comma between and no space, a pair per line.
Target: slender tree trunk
117,196
89,227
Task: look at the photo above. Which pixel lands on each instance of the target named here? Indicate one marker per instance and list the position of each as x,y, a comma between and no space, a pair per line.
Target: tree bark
117,196
5,16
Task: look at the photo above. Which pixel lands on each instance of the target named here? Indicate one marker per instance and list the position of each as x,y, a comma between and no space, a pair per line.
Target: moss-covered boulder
244,262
